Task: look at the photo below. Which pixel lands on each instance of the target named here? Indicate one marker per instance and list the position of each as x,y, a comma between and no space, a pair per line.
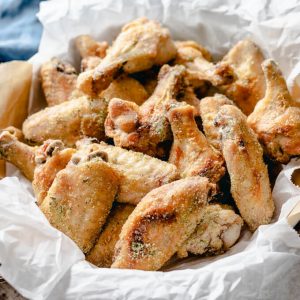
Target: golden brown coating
58,81
50,159
126,88
140,45
188,96
276,118
219,229
102,253
87,46
245,58
191,153
197,61
89,63
16,152
250,185
209,107
68,121
144,128
161,222
80,198
139,173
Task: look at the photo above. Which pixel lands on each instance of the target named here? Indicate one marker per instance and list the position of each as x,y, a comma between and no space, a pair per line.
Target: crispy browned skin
219,229
102,253
126,88
245,58
90,51
50,159
209,107
87,46
140,45
16,152
161,222
197,61
80,198
191,153
276,118
58,81
250,186
68,121
139,173
89,63
144,128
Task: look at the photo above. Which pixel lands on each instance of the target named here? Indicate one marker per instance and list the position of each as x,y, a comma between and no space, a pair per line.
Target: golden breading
140,45
209,107
276,118
197,61
250,185
139,173
102,253
191,153
68,121
219,229
89,63
161,222
80,198
14,151
50,159
126,88
144,128
88,47
58,81
245,58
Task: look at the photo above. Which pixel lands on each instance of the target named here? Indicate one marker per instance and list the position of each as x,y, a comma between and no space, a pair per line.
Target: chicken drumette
191,153
14,151
250,185
161,222
144,128
197,61
276,118
140,45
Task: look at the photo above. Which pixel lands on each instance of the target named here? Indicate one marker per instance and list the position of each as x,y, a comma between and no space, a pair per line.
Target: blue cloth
20,30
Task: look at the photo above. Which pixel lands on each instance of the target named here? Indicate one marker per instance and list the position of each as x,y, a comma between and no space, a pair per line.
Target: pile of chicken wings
154,151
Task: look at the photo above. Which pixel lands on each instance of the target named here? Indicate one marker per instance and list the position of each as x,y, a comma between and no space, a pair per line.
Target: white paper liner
40,262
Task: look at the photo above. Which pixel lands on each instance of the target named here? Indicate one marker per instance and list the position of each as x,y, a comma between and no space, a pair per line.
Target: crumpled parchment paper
42,263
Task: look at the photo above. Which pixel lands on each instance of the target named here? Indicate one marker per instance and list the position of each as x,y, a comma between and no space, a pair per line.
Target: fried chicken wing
144,128
80,198
219,229
50,158
245,58
16,152
276,118
250,185
209,107
126,88
102,253
161,222
191,153
140,45
58,81
89,63
68,121
197,61
139,173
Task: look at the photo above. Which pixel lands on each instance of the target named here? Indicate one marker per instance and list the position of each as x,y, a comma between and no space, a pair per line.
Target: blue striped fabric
20,30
